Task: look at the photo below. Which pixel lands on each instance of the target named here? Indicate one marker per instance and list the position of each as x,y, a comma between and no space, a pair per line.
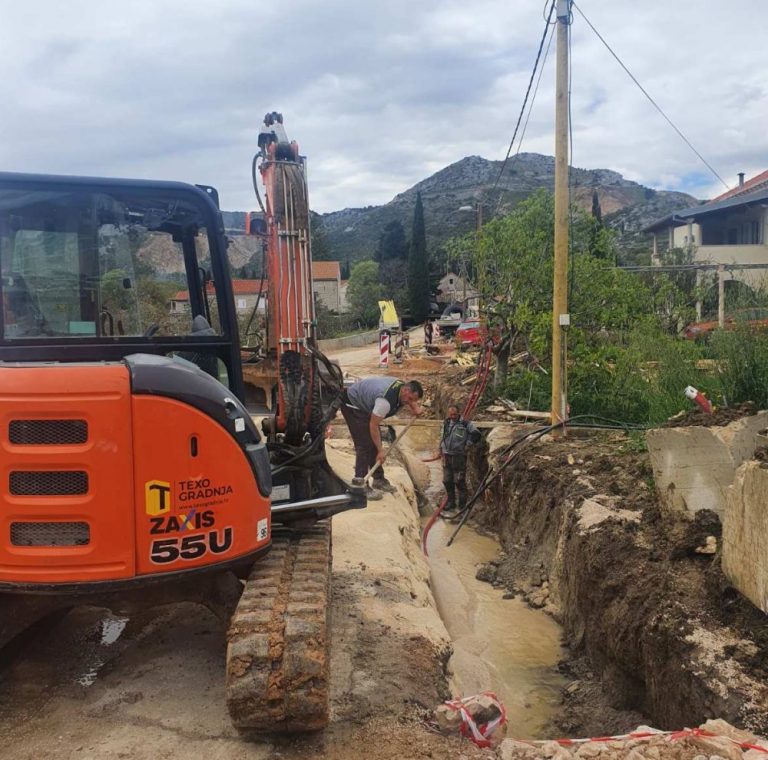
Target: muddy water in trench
499,644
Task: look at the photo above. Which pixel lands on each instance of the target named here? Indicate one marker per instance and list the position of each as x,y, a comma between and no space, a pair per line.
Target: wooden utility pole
560,316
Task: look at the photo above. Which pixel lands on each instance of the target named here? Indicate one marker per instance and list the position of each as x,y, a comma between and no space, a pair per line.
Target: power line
530,110
527,93
653,102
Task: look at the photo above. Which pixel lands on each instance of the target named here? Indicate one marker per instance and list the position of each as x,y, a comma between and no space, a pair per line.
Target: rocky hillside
353,233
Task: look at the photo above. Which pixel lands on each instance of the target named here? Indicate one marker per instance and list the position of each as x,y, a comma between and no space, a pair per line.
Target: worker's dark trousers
455,480
358,423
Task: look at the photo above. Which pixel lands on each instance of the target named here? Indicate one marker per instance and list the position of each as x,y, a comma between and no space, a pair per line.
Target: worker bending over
364,405
457,435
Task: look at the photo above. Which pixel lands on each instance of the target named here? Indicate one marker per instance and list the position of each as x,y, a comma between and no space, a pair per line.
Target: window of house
241,303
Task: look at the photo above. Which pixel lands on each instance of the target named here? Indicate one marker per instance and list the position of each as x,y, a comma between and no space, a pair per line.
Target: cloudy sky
379,94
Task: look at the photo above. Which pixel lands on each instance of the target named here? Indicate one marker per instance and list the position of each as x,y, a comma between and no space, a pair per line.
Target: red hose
483,370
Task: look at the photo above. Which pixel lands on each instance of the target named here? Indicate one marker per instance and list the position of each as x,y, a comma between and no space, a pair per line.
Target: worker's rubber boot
382,484
373,494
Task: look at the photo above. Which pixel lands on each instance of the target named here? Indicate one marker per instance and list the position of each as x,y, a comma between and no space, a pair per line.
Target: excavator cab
127,451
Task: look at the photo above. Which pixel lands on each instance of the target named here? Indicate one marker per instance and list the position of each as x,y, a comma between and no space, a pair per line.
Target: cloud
377,95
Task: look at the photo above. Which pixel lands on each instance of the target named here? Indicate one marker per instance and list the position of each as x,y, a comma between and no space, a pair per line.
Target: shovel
394,445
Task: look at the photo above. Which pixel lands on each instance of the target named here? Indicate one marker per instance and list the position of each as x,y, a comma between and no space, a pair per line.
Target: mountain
353,233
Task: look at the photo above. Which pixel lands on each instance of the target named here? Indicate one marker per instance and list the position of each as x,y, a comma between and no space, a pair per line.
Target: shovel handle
394,445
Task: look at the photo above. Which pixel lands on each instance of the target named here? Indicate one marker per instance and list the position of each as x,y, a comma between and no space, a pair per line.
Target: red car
471,333
756,319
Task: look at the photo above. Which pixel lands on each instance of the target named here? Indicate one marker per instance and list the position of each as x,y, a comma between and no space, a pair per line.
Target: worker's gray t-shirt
368,395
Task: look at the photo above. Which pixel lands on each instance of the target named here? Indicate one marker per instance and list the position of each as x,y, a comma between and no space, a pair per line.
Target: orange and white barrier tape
481,734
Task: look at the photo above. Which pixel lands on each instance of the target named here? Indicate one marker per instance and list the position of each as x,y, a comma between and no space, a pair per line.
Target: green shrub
742,357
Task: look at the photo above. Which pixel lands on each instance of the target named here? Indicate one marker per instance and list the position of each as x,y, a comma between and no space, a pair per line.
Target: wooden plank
481,424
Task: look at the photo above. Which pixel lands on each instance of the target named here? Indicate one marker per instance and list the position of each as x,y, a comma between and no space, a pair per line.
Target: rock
511,749
554,751
487,573
448,720
589,750
482,709
709,546
635,754
716,745
723,728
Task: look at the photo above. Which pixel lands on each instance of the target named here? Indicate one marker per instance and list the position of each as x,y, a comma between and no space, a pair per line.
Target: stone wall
693,467
745,533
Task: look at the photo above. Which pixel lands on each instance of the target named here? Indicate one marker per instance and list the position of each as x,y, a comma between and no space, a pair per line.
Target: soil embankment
638,594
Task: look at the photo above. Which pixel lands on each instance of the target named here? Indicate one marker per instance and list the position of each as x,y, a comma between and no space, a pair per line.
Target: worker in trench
457,435
364,405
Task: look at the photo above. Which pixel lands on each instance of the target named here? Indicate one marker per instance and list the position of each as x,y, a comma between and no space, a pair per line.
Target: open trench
499,644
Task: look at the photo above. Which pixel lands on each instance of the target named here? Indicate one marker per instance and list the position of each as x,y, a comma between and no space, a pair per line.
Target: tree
321,251
418,267
513,260
392,255
597,212
392,243
364,292
601,244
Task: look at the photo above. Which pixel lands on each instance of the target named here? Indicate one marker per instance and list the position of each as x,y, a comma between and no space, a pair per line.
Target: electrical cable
645,92
535,90
525,99
530,109
512,450
481,381
255,182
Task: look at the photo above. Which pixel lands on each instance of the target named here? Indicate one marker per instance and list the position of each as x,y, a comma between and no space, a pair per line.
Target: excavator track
277,652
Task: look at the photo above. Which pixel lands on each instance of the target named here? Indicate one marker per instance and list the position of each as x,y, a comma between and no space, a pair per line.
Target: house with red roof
326,279
326,276
246,294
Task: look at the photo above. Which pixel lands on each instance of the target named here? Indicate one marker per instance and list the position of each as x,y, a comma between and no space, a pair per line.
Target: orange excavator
132,473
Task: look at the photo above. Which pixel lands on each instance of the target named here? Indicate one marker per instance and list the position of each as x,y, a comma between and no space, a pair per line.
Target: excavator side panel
66,474
196,498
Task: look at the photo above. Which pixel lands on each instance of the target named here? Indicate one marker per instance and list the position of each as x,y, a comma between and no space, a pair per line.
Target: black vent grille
50,534
48,482
47,432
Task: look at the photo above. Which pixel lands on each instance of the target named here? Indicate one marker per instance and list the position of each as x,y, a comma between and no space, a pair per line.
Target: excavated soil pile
720,416
643,608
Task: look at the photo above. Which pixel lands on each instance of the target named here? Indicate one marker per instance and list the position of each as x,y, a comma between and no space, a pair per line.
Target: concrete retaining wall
694,466
745,533
350,341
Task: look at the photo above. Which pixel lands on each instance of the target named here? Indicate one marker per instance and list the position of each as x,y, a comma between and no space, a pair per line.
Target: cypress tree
418,267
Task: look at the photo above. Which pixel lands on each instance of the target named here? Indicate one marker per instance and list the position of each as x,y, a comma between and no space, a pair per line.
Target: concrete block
745,533
694,466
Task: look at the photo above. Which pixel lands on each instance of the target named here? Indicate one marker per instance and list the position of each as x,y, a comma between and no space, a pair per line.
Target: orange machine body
100,485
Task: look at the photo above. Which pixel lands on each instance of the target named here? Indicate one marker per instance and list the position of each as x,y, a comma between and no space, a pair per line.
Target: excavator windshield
90,264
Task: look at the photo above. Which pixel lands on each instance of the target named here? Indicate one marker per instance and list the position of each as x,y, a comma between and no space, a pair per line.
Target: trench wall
584,538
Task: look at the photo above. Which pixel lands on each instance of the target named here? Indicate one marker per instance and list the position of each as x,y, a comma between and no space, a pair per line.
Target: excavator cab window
89,269
95,266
